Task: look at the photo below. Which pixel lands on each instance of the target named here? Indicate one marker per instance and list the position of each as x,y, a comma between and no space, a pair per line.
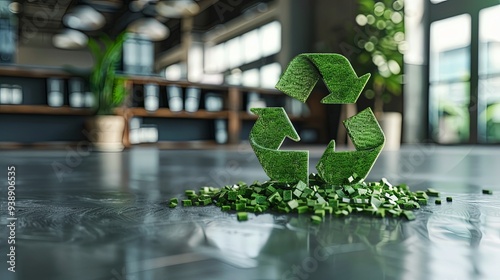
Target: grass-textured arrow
305,70
266,137
368,139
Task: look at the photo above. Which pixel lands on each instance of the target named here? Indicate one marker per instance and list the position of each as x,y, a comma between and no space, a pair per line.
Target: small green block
240,206
319,206
409,215
302,209
261,199
449,198
187,202
297,193
320,213
207,201
316,219
287,195
485,191
270,190
293,204
225,208
306,193
189,192
172,205
422,201
301,186
232,195
242,216
432,192
349,189
333,203
311,202
438,201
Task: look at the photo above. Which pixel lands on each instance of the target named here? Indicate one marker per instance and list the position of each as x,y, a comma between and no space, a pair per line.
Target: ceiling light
177,9
15,7
84,18
137,5
70,39
149,27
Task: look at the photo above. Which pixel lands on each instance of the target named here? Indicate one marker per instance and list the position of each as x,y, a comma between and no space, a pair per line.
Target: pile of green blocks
319,199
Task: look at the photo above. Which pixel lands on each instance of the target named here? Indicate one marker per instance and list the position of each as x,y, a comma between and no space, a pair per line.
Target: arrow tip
364,79
331,146
256,111
348,91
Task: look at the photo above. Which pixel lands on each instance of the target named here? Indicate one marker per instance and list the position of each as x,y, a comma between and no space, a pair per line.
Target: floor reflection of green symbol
273,124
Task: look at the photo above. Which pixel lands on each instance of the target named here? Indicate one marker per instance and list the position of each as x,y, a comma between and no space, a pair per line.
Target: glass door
489,76
449,77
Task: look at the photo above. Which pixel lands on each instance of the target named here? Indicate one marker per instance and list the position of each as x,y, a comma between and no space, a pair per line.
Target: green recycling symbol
273,124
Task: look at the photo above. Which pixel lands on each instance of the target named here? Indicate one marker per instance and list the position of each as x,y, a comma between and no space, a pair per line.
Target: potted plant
382,45
109,92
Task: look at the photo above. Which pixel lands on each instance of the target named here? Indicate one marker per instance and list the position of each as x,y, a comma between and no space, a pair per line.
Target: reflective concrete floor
104,216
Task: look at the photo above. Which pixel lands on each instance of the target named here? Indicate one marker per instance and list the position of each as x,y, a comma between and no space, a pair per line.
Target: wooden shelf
250,117
28,71
166,113
43,110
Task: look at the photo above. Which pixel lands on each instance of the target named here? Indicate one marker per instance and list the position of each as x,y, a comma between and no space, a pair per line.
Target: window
269,75
247,52
489,76
449,79
464,71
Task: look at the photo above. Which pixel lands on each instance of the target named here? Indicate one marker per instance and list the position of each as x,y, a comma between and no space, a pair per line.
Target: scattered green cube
432,192
380,199
409,215
242,216
287,195
316,219
293,204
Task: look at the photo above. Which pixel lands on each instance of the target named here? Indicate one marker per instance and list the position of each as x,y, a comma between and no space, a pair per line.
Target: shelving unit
43,110
233,110
26,71
166,113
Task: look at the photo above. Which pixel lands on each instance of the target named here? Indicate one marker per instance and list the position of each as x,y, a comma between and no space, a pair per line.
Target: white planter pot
106,133
391,123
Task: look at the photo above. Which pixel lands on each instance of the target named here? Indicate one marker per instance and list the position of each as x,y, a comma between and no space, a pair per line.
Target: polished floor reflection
104,216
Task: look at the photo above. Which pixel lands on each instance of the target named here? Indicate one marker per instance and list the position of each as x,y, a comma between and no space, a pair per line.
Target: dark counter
104,216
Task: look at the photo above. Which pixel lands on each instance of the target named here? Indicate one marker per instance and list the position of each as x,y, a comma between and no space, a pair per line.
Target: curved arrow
304,71
368,139
266,137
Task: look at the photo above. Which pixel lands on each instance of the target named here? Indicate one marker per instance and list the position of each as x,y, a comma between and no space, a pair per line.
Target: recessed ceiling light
15,7
84,18
137,5
70,39
177,9
149,27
